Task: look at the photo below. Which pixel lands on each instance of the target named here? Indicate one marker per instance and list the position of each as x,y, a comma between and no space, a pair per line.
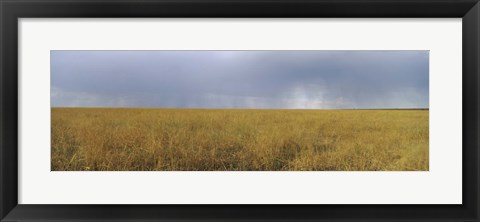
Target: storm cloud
240,79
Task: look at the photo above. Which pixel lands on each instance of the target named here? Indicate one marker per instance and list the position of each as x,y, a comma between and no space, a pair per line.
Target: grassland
104,139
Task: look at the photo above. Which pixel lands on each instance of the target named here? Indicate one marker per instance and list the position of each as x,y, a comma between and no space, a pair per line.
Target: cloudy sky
240,79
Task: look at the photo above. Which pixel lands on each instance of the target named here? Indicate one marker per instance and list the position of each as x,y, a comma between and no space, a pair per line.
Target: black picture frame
12,10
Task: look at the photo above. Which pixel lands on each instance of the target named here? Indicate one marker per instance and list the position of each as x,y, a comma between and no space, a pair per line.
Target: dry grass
215,139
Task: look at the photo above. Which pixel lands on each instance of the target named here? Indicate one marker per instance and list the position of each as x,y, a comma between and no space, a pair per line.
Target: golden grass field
107,139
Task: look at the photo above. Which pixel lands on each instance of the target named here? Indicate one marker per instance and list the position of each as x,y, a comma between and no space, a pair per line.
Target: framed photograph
231,110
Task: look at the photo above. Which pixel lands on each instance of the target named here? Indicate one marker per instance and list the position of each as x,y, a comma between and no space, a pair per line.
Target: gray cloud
240,79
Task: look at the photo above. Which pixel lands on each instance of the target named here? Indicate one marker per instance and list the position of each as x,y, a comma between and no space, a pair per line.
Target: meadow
137,139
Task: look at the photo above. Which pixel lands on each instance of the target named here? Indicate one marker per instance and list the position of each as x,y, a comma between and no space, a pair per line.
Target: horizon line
111,107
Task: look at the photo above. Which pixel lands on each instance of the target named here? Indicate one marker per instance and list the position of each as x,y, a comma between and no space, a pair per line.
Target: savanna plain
137,139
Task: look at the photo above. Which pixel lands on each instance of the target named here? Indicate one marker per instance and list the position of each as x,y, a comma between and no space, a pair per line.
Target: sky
241,79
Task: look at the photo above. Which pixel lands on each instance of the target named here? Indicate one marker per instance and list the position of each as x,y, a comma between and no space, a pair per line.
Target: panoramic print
312,110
